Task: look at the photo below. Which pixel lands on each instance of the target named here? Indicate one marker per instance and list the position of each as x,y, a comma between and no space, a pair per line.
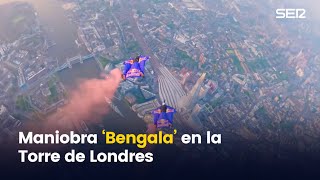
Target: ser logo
291,13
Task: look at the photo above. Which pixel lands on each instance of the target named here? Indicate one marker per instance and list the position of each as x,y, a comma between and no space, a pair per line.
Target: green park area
216,103
167,41
140,13
184,57
263,115
54,95
138,95
230,51
287,125
171,25
104,61
258,64
282,76
18,19
262,112
237,64
248,93
23,104
133,48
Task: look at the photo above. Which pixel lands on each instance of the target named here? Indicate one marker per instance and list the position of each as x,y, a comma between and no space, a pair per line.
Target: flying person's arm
171,109
170,113
143,58
142,62
126,68
170,117
156,115
130,61
155,119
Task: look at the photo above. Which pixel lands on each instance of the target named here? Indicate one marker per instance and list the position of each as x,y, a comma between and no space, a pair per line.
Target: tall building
191,120
196,110
204,90
201,60
184,78
188,102
8,125
213,86
170,89
194,118
3,113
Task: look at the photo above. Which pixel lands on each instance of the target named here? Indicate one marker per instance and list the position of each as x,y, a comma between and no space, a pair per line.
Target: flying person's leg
126,68
142,67
170,117
155,118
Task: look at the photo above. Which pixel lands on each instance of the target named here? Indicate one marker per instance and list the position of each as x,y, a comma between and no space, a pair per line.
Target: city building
187,102
170,90
184,78
196,110
8,125
145,108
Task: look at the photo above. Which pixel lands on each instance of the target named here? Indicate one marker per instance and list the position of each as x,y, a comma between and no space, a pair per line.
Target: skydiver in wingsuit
163,116
134,68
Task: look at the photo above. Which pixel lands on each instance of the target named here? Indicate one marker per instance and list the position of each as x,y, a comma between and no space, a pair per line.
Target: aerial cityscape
226,66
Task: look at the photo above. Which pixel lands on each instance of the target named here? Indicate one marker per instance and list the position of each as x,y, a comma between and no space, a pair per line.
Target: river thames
58,28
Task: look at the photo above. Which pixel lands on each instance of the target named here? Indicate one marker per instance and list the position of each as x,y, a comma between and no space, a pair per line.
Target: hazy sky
312,7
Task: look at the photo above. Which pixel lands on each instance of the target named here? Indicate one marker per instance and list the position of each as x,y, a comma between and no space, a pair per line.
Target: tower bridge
68,64
74,60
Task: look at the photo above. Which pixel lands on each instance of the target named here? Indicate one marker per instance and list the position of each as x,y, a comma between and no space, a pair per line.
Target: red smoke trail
151,129
86,104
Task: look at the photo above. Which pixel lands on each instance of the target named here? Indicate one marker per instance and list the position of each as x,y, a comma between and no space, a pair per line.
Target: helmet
163,108
137,59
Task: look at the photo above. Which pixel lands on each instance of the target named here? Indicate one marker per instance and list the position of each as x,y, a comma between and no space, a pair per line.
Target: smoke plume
87,104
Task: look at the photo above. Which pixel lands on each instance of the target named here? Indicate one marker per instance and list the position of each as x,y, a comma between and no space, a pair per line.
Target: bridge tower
69,63
81,59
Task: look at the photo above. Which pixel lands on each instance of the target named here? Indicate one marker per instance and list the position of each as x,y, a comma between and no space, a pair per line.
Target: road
125,11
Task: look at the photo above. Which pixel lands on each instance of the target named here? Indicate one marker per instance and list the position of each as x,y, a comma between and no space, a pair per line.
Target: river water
58,28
